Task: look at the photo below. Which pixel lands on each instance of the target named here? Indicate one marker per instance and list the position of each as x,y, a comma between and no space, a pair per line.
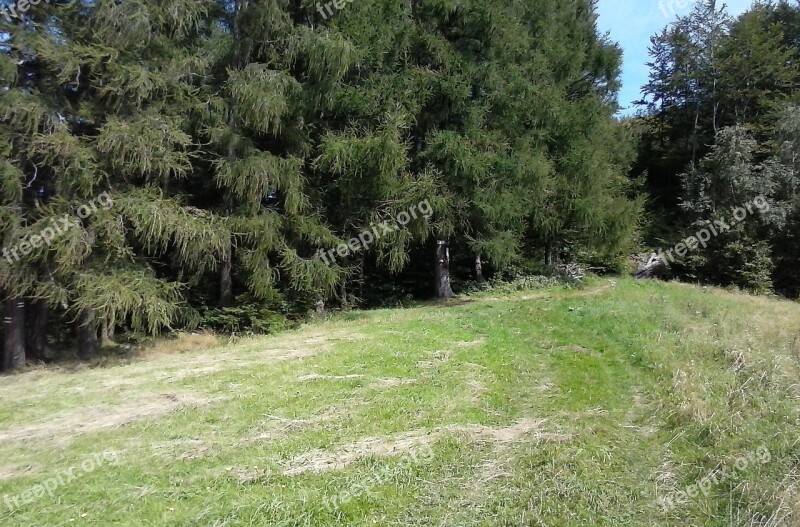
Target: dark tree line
239,138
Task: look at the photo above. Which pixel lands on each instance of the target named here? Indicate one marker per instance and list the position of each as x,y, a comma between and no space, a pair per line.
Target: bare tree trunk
226,271
343,294
38,336
550,255
226,281
14,334
443,287
478,269
37,341
361,277
106,334
87,335
694,132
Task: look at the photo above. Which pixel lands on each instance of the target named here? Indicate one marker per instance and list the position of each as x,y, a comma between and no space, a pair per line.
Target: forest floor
616,403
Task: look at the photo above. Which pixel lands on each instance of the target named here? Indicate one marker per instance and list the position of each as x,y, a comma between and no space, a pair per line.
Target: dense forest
718,131
238,164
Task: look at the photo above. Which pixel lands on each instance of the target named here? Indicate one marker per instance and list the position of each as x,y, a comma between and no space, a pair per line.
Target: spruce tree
261,101
97,111
487,104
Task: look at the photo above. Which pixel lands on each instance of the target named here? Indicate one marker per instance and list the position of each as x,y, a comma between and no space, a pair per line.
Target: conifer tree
472,82
264,91
96,112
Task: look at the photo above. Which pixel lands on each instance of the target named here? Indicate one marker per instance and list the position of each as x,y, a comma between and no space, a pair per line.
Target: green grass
553,407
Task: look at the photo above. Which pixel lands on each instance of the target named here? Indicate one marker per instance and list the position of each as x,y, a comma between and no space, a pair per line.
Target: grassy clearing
551,407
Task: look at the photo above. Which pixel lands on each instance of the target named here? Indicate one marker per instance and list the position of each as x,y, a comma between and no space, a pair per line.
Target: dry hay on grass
496,467
580,293
184,342
125,379
278,427
181,449
297,345
471,343
318,377
490,470
439,358
304,344
667,475
576,349
8,472
319,461
164,364
378,383
476,390
62,427
391,382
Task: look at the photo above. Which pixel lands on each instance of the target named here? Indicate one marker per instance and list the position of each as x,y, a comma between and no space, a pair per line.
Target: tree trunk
106,334
694,132
14,334
361,277
38,336
443,288
343,295
87,335
478,269
226,281
549,255
226,271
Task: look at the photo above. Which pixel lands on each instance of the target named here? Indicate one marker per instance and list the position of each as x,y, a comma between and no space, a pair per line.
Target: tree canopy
236,141
719,129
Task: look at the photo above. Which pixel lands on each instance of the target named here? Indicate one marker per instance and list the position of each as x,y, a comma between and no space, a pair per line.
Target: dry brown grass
184,342
318,461
62,427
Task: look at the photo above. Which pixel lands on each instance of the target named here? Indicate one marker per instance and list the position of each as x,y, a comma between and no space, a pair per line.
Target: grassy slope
554,407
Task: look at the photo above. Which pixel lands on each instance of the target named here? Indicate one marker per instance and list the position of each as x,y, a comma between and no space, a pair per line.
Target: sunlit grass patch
557,406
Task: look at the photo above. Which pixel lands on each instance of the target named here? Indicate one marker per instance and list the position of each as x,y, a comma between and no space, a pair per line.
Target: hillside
589,406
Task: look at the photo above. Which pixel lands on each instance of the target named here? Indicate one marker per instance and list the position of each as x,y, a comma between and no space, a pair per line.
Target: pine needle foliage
237,142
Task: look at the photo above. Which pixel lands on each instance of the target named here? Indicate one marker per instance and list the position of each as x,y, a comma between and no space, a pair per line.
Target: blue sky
632,23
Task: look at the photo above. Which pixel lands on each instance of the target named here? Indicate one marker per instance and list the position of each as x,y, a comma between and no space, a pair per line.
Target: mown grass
554,407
